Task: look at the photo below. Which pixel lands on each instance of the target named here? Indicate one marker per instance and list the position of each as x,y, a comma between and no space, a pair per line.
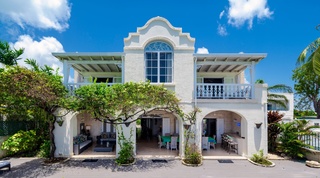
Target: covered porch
222,76
87,67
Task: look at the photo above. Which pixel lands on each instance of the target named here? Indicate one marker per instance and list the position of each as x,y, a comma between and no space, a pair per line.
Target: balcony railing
224,91
73,86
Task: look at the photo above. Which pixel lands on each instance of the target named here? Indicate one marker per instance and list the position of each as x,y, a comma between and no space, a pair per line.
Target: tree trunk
52,143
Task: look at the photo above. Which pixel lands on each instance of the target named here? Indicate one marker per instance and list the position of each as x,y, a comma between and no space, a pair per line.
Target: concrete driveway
30,167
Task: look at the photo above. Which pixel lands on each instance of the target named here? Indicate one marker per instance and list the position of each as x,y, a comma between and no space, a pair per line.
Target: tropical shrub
192,154
290,139
260,159
273,129
22,142
44,151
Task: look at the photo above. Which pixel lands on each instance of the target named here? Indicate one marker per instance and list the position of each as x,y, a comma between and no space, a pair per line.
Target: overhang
229,62
93,61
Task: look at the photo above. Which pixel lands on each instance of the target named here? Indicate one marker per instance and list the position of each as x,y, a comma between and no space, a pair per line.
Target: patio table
167,140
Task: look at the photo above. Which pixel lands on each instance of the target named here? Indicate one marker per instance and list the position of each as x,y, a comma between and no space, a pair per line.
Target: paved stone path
29,167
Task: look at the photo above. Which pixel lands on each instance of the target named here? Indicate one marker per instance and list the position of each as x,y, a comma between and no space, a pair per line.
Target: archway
221,124
154,131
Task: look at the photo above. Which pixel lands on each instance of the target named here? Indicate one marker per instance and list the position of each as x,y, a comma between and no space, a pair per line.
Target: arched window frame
159,62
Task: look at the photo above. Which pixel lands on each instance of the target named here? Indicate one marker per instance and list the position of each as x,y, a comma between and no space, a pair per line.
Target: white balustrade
224,91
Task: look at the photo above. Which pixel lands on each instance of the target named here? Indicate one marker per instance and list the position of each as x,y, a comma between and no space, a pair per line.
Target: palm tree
9,56
276,98
313,50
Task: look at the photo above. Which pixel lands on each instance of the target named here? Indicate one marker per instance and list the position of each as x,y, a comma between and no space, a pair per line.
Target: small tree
307,87
34,88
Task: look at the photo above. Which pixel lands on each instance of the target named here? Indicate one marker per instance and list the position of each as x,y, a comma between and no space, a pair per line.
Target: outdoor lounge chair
5,164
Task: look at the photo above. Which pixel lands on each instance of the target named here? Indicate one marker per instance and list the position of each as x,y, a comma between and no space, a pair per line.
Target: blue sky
280,28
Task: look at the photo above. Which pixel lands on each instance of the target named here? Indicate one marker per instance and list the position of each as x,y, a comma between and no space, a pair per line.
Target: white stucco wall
64,136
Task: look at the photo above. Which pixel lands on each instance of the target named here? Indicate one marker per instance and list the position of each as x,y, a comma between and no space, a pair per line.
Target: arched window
159,62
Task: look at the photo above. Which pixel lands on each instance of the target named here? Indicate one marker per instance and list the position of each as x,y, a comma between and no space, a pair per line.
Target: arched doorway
221,124
154,132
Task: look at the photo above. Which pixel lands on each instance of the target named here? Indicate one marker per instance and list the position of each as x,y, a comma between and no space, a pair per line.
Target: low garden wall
313,155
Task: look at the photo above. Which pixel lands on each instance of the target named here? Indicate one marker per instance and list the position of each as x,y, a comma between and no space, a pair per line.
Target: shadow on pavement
36,168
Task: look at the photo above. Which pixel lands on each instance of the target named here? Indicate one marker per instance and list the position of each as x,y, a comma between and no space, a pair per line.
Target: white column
195,82
66,72
122,69
252,74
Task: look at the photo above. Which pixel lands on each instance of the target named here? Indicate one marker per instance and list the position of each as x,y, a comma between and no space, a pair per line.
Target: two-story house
164,54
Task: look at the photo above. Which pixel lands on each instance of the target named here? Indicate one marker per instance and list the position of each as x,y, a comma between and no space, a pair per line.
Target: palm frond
280,88
316,61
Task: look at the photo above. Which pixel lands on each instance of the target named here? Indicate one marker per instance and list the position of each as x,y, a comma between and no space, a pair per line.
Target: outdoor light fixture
258,125
186,126
127,124
59,120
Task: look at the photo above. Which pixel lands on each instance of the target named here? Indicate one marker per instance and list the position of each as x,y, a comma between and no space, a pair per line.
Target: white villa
164,54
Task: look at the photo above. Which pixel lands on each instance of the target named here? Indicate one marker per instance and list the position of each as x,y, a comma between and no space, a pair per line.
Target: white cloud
242,11
44,14
202,50
221,14
241,52
40,51
222,30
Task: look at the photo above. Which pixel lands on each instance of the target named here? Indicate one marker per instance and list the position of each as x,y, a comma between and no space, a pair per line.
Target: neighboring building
287,111
165,55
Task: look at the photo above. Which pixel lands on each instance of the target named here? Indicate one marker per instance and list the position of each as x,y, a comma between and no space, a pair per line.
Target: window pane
162,79
168,55
154,64
162,63
154,55
148,63
154,79
148,55
154,71
149,78
162,55
162,71
148,71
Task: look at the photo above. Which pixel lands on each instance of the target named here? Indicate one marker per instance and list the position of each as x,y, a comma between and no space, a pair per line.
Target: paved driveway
147,169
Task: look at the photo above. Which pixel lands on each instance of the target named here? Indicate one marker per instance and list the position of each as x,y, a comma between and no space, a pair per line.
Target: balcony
73,86
223,91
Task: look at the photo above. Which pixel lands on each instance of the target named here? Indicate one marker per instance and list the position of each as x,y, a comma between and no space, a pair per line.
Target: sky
280,28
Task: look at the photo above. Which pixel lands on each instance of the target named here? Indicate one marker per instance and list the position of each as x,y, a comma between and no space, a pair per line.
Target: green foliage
290,138
33,90
120,102
274,117
44,151
192,154
298,113
307,87
260,159
9,56
126,153
259,81
21,142
276,98
311,54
